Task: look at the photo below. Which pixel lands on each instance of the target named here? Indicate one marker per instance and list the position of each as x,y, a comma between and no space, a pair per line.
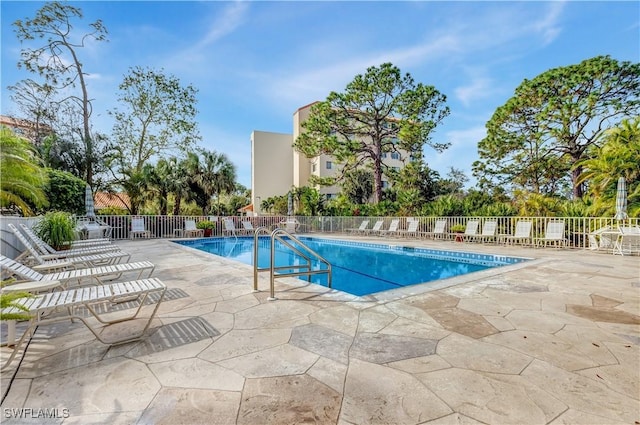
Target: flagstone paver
288,400
552,341
376,394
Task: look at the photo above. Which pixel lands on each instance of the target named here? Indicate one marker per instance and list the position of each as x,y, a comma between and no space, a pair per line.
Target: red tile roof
104,200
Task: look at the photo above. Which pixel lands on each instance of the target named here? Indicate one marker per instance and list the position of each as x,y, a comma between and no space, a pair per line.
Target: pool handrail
280,235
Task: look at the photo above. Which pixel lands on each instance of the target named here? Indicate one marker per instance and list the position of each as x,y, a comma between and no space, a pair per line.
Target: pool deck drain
554,340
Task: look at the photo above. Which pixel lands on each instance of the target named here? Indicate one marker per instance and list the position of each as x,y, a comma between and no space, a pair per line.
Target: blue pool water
359,268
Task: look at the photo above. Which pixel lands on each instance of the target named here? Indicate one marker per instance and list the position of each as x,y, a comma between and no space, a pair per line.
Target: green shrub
57,228
206,224
458,228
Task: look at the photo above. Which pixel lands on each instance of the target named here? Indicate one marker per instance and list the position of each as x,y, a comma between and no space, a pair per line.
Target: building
276,166
30,130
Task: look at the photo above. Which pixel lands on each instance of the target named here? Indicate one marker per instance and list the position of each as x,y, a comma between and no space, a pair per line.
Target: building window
385,184
395,155
313,168
329,165
384,155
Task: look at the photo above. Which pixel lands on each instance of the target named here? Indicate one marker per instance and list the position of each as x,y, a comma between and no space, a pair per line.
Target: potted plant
458,229
57,228
207,226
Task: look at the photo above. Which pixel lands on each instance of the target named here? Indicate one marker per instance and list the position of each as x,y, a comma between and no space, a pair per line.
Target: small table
605,239
33,287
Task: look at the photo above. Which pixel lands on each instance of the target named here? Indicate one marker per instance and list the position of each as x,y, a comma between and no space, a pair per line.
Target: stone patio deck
552,341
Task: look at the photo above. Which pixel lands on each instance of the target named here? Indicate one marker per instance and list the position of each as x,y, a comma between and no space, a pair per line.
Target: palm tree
618,155
157,184
178,176
22,178
215,175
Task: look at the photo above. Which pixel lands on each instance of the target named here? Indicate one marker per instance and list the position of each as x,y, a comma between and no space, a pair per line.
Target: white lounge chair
40,307
11,267
438,230
554,234
628,242
138,228
488,233
60,262
411,230
362,229
229,227
393,228
471,230
248,228
48,251
522,234
377,227
191,231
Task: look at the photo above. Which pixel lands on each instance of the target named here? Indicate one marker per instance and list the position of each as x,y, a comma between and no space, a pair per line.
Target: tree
157,184
414,185
214,174
541,134
357,186
66,192
23,180
618,156
455,181
59,63
380,112
159,117
178,179
36,103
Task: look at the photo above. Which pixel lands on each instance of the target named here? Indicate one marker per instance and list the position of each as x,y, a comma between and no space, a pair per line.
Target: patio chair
191,231
412,229
41,307
628,241
48,251
471,230
393,228
138,228
59,261
438,230
377,227
522,234
554,233
248,228
113,271
362,229
229,227
488,231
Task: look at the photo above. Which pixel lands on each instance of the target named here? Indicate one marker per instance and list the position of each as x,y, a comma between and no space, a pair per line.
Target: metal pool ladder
303,269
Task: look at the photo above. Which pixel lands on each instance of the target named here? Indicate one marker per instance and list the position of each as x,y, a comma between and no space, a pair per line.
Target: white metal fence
576,228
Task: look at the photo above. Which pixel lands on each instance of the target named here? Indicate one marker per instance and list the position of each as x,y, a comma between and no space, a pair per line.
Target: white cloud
314,82
194,58
548,25
226,23
478,88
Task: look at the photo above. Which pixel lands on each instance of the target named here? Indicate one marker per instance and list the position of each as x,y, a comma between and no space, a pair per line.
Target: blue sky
255,63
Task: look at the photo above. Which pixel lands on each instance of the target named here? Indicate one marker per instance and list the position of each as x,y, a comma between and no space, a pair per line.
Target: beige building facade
276,166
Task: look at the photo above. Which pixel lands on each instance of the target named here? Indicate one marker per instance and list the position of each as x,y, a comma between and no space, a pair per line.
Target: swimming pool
359,268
